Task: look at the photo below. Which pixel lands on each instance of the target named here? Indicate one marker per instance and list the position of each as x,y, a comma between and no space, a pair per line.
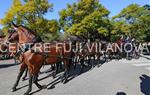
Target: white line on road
143,64
148,68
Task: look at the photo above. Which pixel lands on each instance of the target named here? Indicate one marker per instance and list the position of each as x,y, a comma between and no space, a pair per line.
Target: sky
114,6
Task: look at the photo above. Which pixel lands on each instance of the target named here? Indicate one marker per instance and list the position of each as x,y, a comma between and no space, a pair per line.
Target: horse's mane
31,31
2,36
38,38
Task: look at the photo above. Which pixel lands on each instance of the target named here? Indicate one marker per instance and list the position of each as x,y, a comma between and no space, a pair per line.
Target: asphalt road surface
123,77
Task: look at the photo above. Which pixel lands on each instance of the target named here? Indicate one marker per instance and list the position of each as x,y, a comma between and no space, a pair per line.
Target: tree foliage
31,14
1,32
86,18
134,20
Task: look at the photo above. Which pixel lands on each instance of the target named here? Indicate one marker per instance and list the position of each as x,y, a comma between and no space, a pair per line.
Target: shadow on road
121,93
73,73
6,65
145,84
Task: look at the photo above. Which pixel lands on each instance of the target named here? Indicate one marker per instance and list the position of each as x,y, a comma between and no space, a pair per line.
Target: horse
115,50
86,51
34,61
11,50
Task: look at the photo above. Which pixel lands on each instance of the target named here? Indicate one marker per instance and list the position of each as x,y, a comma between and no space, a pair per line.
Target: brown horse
115,49
85,52
35,60
11,49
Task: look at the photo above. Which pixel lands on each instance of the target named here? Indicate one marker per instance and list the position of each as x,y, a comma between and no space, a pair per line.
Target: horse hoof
98,66
54,76
64,81
40,72
27,93
13,89
23,79
44,86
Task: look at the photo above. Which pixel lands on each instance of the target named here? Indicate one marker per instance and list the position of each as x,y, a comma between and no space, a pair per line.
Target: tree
144,22
31,14
86,18
1,33
135,21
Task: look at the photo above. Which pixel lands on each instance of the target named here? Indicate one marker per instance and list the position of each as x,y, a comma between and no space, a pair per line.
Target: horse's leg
94,61
98,60
30,85
22,69
55,71
35,80
61,66
88,58
66,72
58,64
65,76
15,59
82,65
107,56
53,66
76,60
90,61
24,77
104,58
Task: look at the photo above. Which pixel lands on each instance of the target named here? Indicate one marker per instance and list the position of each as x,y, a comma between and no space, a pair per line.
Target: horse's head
25,35
12,36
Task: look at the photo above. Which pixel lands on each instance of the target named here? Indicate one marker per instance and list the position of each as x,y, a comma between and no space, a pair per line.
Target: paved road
109,79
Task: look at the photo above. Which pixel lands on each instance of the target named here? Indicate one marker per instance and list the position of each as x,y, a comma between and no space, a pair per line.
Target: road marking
142,64
145,65
148,68
137,62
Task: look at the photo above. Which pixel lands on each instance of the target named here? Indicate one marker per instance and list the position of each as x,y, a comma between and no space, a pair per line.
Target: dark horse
34,60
